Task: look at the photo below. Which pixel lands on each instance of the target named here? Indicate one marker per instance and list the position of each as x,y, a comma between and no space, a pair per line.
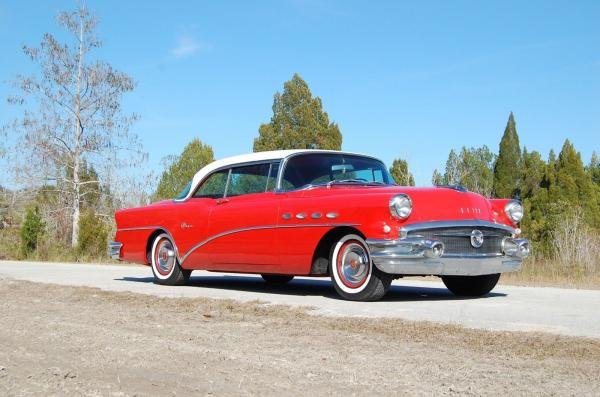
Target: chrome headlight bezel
400,206
514,211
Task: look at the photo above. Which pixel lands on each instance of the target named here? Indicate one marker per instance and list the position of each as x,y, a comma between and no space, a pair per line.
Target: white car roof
249,158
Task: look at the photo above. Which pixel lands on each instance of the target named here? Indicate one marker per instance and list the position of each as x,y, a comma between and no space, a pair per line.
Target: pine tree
532,173
298,121
594,169
507,167
31,230
574,185
437,179
472,168
181,169
401,174
454,172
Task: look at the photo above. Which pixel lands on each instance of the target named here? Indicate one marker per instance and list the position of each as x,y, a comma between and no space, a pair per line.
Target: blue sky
402,79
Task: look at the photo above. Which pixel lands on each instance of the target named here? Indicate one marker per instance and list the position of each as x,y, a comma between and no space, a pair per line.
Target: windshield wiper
353,182
343,182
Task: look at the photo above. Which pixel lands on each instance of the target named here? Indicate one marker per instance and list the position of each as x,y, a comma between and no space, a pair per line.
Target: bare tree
72,115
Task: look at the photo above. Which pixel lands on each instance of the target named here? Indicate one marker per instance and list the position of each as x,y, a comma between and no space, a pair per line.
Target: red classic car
323,213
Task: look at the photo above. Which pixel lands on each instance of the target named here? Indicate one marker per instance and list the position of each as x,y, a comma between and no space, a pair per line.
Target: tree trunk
78,130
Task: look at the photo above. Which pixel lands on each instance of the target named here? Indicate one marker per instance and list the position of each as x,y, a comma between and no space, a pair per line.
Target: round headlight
400,206
514,211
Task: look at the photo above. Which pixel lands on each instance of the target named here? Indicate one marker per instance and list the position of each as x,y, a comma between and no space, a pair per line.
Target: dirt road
60,340
560,311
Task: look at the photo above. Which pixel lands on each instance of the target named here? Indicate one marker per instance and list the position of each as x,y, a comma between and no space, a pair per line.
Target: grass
47,250
550,273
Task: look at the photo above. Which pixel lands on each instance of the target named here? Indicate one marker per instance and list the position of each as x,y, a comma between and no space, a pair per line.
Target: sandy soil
74,340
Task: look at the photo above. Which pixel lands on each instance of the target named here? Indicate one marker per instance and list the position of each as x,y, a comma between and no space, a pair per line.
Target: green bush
31,231
93,235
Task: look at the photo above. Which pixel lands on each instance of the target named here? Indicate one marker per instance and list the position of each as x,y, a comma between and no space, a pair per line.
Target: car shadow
314,287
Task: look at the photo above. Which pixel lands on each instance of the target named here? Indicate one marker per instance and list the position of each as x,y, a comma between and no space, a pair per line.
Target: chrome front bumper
114,250
421,256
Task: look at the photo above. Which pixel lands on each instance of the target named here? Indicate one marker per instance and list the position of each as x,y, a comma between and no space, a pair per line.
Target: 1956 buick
323,213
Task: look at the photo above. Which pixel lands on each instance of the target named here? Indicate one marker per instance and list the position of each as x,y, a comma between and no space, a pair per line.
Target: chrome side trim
155,227
458,223
262,227
129,229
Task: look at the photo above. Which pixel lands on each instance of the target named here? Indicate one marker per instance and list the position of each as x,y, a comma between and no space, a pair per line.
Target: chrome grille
457,240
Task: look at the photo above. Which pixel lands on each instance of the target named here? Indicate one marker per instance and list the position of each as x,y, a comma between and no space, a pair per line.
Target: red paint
285,246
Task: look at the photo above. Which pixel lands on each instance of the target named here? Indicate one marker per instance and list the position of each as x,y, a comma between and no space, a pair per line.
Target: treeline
36,223
560,194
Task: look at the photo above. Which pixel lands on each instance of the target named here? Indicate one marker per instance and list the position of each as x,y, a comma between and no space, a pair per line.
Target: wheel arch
320,260
155,233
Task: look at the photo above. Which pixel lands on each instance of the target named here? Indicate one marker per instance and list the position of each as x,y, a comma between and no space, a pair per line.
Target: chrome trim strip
263,227
489,255
155,227
129,229
458,223
459,234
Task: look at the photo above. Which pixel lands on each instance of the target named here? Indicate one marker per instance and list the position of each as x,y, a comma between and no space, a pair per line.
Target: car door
190,229
242,225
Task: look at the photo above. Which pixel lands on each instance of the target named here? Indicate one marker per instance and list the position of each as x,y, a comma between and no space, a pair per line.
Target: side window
248,179
213,186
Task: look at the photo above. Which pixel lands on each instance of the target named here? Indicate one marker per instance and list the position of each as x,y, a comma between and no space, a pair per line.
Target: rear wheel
165,266
276,279
471,285
352,272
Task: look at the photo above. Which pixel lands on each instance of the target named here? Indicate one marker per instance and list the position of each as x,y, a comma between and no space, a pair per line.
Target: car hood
429,204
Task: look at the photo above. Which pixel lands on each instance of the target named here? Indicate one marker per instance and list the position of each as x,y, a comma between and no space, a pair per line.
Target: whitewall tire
164,262
352,272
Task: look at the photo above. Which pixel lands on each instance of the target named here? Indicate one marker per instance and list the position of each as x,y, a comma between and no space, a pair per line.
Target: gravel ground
83,341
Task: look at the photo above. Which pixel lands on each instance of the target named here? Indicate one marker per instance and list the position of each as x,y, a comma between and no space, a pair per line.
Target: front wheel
165,266
352,272
471,285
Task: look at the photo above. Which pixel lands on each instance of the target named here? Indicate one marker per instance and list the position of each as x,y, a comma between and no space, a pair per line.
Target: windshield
184,192
332,168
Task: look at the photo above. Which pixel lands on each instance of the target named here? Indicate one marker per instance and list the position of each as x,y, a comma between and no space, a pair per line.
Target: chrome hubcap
354,265
165,257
